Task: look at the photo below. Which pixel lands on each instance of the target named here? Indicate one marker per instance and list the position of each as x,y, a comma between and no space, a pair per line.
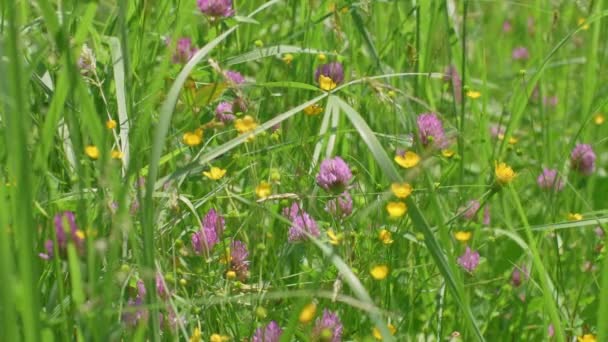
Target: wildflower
92,152
497,132
341,206
550,331
313,109
473,94
520,53
245,124
587,338
111,124
235,77
334,238
407,160
215,173
308,313
550,180
330,75
599,232
512,141
378,335
238,259
213,220
469,260
216,8
401,190
582,159
470,211
574,217
161,290
599,119
224,112
184,50
379,272
506,26
334,174
66,230
385,236
447,153
516,276
204,240
504,173
583,23
463,236
196,335
287,58
452,74
230,274
116,154
193,138
396,209
328,328
263,189
218,337
321,57
301,224
430,131
486,215
86,60
271,333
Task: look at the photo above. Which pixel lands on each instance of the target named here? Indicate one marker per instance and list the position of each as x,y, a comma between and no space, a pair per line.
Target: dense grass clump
303,170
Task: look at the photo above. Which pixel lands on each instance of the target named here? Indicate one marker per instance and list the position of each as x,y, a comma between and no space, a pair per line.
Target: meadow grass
303,170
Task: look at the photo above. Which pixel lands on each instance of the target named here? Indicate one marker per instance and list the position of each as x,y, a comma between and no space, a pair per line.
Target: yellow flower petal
463,236
587,338
116,154
448,153
504,173
408,159
378,335
379,272
92,152
192,138
385,236
218,338
396,209
215,173
245,124
599,119
334,238
401,190
582,22
263,190
313,109
575,217
196,335
111,124
472,94
326,83
308,313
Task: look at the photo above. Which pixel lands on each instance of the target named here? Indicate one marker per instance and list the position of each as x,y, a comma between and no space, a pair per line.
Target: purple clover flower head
469,211
204,240
214,221
599,232
135,311
328,328
550,180
65,229
235,77
430,131
238,259
550,331
334,71
301,223
184,50
224,113
520,53
161,290
582,159
216,8
516,276
341,206
271,333
451,74
497,131
487,218
469,260
334,174
506,26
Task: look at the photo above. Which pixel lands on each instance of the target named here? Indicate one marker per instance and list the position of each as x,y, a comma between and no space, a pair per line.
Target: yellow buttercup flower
111,124
472,94
116,154
408,159
385,236
587,338
92,152
218,338
447,153
231,274
313,109
215,173
401,190
378,335
513,141
245,124
575,217
287,58
334,238
599,119
396,209
582,22
308,313
504,173
193,138
263,189
379,272
196,335
463,236
326,83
